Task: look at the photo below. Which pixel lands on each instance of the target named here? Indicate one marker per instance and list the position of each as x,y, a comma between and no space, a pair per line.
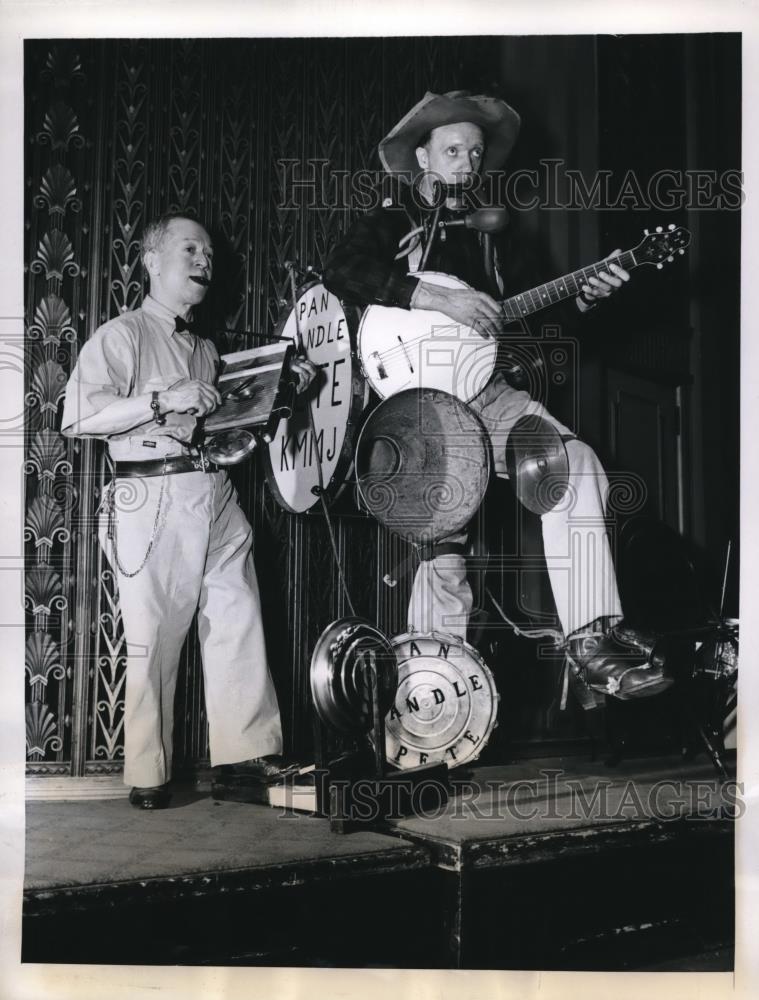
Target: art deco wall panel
117,132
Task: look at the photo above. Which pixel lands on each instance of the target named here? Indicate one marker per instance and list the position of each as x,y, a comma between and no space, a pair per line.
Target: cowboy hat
498,121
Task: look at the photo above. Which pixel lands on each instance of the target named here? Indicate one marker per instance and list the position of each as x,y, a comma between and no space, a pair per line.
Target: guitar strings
625,259
388,356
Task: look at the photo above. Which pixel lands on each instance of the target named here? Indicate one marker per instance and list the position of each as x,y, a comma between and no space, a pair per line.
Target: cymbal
537,463
340,685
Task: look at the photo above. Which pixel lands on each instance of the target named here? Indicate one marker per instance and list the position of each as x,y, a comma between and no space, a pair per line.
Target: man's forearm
116,418
429,296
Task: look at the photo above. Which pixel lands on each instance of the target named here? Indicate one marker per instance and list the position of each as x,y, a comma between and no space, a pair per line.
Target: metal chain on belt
112,528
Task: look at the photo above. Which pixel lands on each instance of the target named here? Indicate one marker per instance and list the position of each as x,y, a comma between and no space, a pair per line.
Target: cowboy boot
618,660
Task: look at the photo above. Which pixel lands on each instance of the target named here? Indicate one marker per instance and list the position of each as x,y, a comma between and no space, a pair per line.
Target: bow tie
180,325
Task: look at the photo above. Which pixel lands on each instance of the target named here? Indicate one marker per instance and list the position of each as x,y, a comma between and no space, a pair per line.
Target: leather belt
171,466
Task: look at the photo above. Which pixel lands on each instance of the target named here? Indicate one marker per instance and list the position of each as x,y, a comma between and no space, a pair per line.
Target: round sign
446,703
336,397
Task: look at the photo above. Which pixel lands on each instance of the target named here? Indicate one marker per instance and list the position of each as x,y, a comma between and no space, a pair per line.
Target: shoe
152,797
262,770
618,661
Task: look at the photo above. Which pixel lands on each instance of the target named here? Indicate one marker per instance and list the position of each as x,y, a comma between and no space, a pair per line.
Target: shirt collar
162,313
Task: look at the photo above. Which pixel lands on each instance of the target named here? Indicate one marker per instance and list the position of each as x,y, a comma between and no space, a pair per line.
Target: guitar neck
568,286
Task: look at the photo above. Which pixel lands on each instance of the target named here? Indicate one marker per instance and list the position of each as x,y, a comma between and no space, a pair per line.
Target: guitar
419,349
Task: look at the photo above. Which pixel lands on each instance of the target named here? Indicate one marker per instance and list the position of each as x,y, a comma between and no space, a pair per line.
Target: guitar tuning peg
671,226
670,259
660,266
646,232
658,229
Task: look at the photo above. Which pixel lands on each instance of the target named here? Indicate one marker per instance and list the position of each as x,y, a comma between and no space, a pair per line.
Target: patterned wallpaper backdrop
117,132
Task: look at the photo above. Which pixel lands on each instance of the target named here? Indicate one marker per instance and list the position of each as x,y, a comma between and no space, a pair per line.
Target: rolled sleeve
104,372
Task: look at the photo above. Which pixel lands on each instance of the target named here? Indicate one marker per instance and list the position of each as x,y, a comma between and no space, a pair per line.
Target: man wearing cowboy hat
453,139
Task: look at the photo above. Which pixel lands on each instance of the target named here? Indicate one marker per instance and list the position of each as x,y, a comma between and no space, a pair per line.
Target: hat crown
499,123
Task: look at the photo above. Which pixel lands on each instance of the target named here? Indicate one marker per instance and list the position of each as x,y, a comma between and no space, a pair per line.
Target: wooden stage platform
549,864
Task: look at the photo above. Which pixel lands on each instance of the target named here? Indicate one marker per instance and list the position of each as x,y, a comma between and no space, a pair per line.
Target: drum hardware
308,272
354,677
704,661
718,656
712,684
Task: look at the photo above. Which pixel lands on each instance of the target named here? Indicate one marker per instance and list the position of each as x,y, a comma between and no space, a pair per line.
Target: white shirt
131,355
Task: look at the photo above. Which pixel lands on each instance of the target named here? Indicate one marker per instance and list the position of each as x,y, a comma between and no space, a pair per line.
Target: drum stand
709,686
357,790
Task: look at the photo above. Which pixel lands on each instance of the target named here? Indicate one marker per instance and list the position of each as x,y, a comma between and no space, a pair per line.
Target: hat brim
498,121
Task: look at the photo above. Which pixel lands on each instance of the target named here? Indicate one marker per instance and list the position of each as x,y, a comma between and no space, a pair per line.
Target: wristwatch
155,406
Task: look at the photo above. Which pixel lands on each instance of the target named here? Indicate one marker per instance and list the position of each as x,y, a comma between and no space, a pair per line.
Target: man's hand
191,396
304,370
603,286
463,305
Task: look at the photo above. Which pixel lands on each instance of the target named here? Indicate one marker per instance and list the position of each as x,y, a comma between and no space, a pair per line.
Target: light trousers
200,560
575,539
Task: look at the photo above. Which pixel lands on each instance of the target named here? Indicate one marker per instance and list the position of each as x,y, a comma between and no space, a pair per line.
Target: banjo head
416,348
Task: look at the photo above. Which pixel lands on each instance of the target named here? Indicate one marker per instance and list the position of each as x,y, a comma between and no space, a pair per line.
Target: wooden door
645,422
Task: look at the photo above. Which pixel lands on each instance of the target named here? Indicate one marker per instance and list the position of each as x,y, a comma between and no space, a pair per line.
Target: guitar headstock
661,245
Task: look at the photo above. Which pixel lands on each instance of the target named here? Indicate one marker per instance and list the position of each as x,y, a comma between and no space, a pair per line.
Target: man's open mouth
199,279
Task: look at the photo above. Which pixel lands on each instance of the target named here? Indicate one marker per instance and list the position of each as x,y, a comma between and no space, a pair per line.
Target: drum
422,464
336,397
445,705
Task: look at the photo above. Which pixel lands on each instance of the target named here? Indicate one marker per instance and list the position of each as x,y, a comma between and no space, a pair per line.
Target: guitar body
418,349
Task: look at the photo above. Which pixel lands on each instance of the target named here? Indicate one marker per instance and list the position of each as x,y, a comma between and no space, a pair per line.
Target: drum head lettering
445,706
336,398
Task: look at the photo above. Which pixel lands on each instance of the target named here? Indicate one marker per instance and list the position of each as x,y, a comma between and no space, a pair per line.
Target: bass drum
445,705
337,396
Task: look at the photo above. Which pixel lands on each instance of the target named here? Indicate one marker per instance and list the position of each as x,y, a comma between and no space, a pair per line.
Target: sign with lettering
335,398
446,703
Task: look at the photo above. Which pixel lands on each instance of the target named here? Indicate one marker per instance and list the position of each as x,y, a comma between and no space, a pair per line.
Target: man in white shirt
171,526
